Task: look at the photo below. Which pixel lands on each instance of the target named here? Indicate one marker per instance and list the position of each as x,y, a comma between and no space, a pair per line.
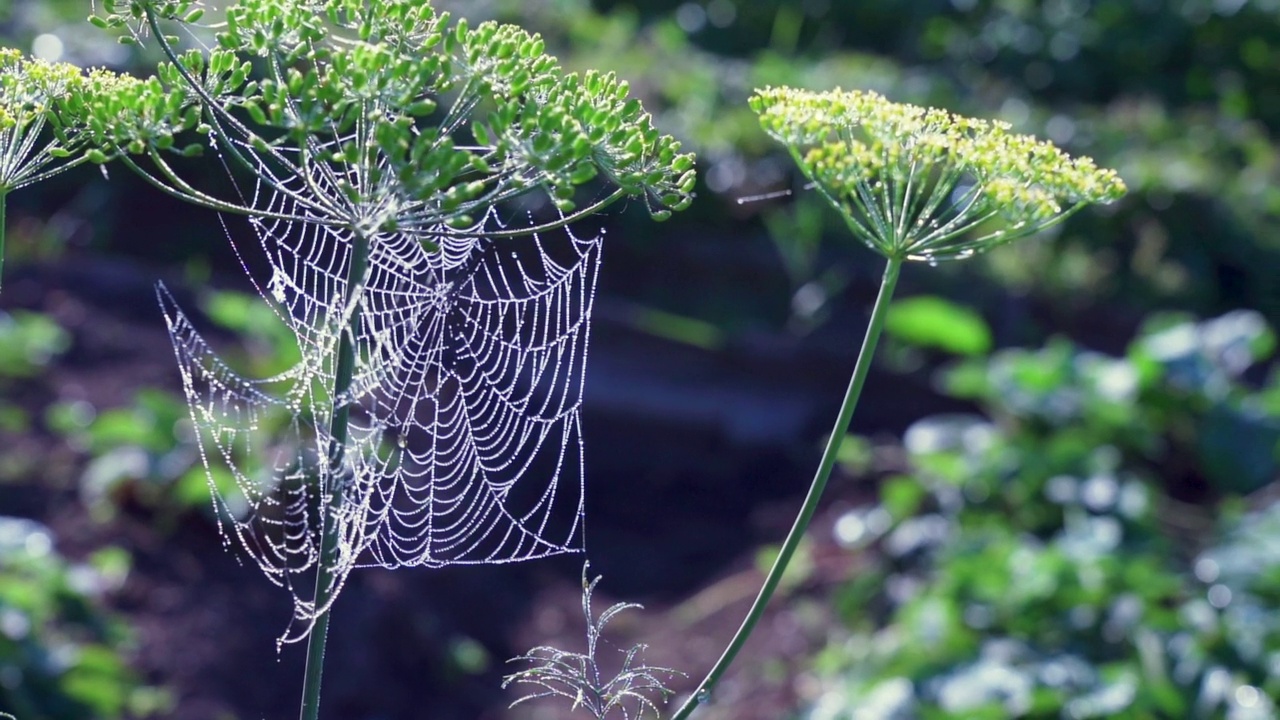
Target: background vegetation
1060,505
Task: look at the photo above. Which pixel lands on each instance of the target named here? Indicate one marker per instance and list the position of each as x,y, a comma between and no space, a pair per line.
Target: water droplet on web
704,696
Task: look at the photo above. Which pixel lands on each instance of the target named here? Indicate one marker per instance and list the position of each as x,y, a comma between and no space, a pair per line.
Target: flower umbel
34,94
919,183
391,117
42,121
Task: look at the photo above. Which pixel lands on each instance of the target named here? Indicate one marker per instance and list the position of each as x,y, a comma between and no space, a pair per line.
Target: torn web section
262,436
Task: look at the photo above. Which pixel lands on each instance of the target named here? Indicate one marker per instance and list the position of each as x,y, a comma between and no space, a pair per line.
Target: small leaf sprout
577,676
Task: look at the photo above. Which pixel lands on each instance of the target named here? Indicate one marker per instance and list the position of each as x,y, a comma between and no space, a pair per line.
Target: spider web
464,443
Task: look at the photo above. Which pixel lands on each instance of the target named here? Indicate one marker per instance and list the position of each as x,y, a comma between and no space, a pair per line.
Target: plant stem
3,201
335,477
810,506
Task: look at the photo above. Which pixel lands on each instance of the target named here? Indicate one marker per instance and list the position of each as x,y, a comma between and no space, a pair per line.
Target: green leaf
933,322
902,496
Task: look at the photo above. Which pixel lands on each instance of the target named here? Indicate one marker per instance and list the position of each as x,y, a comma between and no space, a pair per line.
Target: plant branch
810,506
562,222
335,479
195,197
217,113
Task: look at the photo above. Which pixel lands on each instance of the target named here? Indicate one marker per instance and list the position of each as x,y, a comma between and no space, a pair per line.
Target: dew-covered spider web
465,441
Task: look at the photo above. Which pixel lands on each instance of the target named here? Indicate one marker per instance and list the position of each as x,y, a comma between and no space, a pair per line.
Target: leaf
933,322
902,496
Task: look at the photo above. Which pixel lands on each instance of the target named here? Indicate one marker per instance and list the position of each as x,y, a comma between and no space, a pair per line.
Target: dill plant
914,185
375,127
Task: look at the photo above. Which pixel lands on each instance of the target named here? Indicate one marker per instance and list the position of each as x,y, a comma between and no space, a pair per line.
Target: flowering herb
386,117
380,139
919,183
41,121
913,184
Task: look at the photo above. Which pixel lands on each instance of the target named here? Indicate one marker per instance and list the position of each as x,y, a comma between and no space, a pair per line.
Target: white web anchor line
465,442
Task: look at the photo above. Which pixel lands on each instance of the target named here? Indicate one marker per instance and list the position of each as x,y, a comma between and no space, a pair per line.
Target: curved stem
810,506
195,197
48,172
335,479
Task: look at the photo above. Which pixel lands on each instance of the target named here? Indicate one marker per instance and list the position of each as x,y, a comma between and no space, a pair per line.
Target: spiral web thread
465,440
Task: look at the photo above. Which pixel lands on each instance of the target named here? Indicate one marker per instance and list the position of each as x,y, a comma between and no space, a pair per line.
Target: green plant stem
810,506
336,477
4,199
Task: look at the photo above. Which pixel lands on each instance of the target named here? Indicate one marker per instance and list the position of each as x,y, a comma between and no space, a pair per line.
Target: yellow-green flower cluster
54,116
922,183
33,93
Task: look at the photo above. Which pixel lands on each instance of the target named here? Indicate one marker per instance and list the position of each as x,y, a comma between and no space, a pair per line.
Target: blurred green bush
1098,543
62,657
28,341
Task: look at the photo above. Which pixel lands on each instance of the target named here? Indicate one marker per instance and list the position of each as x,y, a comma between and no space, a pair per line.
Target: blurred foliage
1179,95
927,321
140,454
1044,560
28,341
61,655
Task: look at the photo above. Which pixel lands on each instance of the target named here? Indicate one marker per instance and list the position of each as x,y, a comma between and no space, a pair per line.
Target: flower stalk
825,466
335,480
